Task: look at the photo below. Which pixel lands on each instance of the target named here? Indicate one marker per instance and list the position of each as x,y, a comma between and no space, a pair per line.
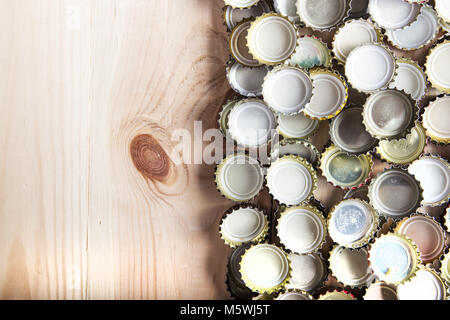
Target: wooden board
93,204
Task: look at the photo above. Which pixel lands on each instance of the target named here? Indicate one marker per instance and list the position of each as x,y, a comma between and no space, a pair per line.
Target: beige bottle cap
265,268
239,177
353,34
233,16
241,3
251,123
393,14
426,233
310,52
445,268
443,8
296,147
351,267
394,193
301,229
291,180
296,126
287,8
370,67
294,295
438,68
426,285
389,114
352,223
330,94
245,80
308,271
348,132
337,295
410,78
381,291
272,39
418,34
243,225
433,173
322,14
405,150
435,119
238,45
287,89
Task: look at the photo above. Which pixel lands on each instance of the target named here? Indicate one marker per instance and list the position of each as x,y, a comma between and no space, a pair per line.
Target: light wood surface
92,202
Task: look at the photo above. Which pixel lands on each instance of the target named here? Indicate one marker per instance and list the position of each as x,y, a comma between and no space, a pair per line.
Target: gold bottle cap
393,14
308,271
438,68
291,180
302,229
337,295
404,150
445,268
381,291
410,78
265,268
330,94
353,34
443,9
224,113
343,170
272,38
323,14
245,80
232,16
426,285
418,34
389,114
287,8
294,295
296,147
433,173
238,44
435,120
287,89
351,267
372,59
311,52
241,3
352,223
244,224
394,258
395,194
297,126
426,233
239,177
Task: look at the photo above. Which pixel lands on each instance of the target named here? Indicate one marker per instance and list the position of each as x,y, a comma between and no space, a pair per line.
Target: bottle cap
294,295
404,150
393,14
353,34
410,78
241,3
308,271
297,126
349,133
445,268
343,170
291,180
265,268
251,123
435,119
438,68
370,67
433,173
426,285
337,295
310,52
395,194
381,291
224,113
245,80
417,34
323,14
287,8
329,96
239,177
389,114
352,223
443,9
296,147
351,267
361,193
238,44
287,89
234,266
233,16
394,258
272,38
302,229
244,224
426,233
